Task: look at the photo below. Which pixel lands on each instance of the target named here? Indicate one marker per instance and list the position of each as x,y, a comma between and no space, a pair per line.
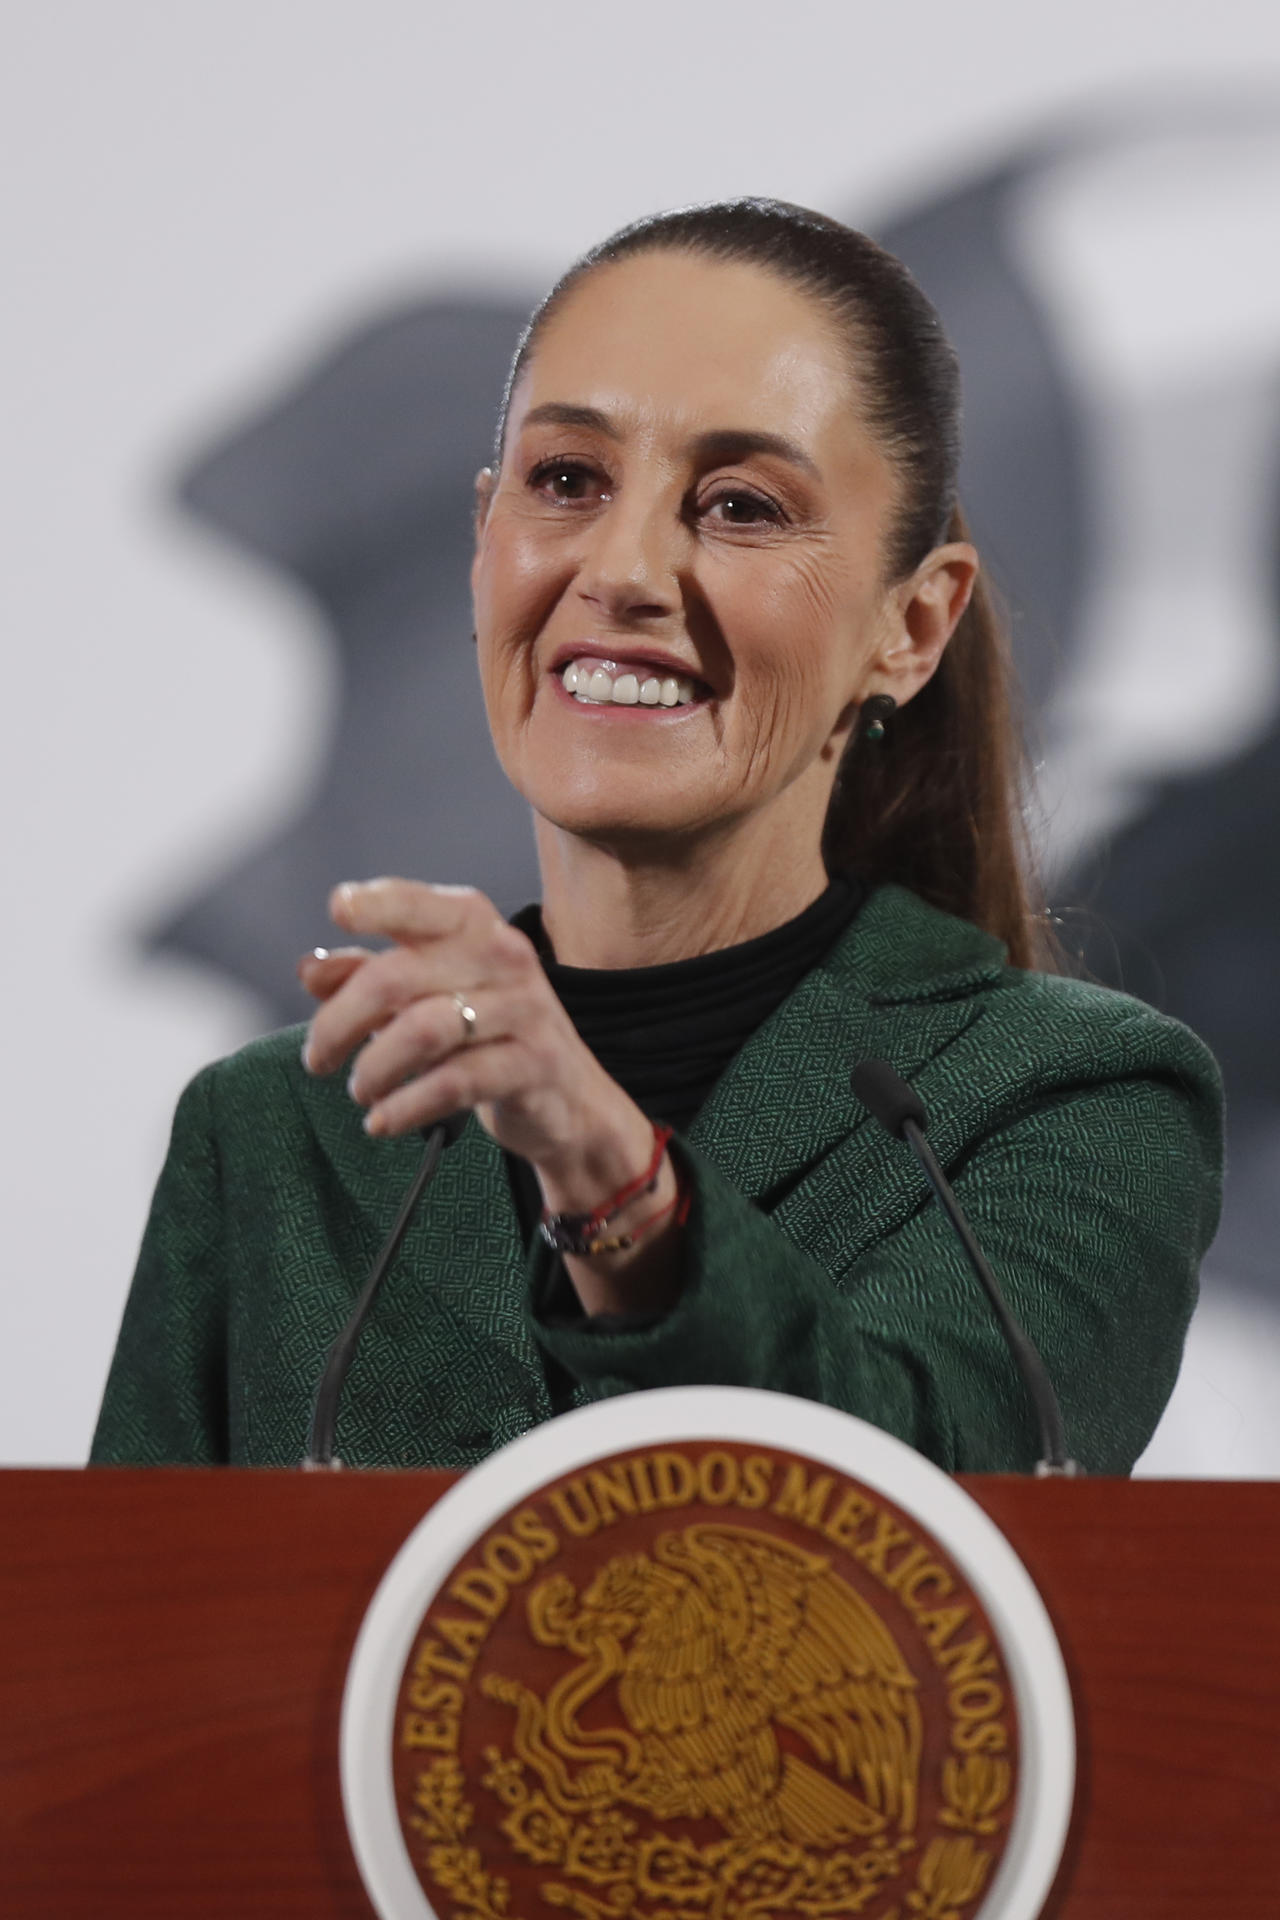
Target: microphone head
888,1097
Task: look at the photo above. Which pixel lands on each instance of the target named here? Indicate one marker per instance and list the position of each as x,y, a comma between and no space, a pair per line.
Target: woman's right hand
534,1085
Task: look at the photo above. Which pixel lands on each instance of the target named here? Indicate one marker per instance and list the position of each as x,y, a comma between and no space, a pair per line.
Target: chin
617,825
616,795
617,811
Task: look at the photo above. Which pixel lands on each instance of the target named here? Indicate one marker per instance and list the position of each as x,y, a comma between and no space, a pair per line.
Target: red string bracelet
679,1206
583,1233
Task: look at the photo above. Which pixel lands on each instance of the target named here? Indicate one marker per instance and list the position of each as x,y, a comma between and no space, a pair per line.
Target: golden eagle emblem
756,1689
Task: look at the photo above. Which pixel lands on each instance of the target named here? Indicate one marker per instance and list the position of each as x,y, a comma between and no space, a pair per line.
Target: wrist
632,1263
586,1177
635,1266
613,1225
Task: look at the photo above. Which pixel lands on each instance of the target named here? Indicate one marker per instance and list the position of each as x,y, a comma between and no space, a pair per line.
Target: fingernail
304,1053
319,953
351,1086
342,899
373,1122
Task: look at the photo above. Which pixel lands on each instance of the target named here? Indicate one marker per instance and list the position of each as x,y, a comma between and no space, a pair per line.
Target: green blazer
1082,1131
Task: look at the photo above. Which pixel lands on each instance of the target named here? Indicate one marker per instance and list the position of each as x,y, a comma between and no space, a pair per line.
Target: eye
569,482
740,507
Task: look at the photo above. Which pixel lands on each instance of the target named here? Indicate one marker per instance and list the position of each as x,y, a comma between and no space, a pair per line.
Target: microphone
900,1111
324,1412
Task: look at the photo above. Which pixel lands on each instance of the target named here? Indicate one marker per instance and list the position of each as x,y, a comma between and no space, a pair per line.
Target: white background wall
193,193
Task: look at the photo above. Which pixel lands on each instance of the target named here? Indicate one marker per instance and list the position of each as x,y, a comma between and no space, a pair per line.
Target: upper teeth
601,686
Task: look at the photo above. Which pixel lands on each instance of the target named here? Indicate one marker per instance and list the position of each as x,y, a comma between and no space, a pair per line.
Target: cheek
804,623
803,638
815,594
510,572
517,582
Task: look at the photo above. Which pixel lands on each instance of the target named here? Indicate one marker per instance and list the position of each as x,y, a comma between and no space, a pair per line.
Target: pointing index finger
399,909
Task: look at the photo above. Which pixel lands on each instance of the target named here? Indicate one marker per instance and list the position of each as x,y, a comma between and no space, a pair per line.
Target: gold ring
467,1015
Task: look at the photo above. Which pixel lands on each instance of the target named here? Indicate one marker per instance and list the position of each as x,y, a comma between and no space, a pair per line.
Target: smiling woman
735,657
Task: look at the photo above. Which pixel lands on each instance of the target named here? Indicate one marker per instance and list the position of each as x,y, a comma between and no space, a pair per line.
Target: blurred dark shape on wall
358,483
1184,911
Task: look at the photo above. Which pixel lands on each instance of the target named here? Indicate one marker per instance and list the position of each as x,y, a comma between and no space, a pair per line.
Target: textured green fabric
1082,1131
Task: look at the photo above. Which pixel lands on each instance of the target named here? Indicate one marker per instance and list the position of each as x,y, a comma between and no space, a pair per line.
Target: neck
642,905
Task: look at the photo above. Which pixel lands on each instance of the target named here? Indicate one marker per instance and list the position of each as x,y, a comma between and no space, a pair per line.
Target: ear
923,613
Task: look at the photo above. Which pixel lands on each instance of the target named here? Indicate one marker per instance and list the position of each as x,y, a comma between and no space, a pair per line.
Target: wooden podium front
175,1645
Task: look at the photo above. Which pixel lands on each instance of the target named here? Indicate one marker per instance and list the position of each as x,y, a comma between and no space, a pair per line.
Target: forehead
669,339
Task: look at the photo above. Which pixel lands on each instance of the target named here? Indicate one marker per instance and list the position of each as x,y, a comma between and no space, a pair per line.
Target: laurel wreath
761,1880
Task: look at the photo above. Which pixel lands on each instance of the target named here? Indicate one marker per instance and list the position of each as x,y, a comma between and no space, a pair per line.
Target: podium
175,1644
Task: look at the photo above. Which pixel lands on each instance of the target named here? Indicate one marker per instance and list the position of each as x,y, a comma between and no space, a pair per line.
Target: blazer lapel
902,985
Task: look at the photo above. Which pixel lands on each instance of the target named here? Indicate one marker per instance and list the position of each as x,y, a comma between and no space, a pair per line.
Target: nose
631,566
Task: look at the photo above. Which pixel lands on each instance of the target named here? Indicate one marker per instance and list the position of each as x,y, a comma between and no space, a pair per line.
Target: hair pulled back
938,807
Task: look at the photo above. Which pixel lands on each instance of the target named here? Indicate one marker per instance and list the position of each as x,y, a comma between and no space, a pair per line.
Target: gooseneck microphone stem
324,1412
1044,1401
899,1109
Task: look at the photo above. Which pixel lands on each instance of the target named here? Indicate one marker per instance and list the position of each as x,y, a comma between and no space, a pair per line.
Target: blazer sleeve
166,1393
1094,1207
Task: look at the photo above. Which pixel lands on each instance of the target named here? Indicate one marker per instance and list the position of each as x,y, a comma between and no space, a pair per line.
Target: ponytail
938,805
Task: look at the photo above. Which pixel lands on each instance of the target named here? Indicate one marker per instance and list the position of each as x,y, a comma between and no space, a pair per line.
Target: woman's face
678,581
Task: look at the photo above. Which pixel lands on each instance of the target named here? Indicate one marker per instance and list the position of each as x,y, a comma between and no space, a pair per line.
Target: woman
734,656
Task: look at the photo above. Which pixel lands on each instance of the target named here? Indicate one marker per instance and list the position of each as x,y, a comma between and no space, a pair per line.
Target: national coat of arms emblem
713,1681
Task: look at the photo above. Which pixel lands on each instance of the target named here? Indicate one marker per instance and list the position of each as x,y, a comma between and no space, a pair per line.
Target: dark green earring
873,714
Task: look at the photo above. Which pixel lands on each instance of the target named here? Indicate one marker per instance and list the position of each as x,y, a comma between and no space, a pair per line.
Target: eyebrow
723,445
718,447
558,413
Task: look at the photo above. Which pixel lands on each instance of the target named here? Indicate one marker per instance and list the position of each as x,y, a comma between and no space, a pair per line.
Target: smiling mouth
604,683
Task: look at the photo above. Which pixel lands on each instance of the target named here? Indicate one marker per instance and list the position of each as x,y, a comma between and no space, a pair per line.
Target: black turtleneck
667,1033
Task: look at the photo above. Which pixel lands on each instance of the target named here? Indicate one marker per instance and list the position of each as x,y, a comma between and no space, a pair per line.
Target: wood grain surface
174,1645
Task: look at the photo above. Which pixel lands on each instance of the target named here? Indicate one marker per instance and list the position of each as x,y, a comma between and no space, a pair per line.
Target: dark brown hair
938,806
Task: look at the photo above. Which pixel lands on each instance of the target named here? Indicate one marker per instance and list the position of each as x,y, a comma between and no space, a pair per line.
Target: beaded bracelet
583,1233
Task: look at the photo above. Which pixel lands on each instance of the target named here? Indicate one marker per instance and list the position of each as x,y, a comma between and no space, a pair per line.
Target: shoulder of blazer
901,951
981,1040
986,1045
